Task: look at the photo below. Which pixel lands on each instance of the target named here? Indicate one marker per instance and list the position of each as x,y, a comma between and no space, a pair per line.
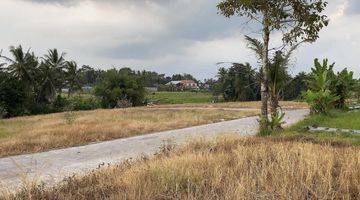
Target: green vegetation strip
336,119
180,97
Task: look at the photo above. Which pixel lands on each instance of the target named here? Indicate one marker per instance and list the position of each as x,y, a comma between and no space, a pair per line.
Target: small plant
69,116
277,120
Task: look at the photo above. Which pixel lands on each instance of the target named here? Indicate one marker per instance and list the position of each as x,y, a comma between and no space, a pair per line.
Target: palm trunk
265,83
274,104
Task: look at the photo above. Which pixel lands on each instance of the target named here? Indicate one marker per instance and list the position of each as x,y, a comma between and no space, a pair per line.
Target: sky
167,36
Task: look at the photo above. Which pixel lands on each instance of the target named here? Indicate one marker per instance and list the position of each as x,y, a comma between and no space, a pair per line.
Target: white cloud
178,36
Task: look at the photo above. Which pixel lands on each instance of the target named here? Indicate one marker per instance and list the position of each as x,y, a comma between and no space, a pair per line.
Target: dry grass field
249,104
232,168
43,132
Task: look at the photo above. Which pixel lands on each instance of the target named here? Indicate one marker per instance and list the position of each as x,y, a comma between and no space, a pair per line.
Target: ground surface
54,165
334,119
228,168
180,97
249,104
43,132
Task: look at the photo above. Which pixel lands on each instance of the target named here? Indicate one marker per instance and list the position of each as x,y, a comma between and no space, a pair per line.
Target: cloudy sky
168,36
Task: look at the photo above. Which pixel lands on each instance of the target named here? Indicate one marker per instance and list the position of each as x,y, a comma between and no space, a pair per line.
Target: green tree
319,97
120,88
72,77
238,83
296,86
55,62
298,20
342,87
23,65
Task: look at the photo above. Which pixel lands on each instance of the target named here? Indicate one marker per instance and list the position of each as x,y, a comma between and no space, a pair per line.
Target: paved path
53,166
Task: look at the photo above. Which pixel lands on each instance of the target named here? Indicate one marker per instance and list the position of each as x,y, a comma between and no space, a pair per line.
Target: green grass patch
180,97
335,119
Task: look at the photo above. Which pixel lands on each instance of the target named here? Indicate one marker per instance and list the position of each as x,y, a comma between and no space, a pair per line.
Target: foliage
342,87
72,75
118,86
12,95
84,102
320,98
298,21
296,86
277,120
238,83
320,101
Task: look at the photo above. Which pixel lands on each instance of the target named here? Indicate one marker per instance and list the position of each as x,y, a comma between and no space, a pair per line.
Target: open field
243,104
180,97
43,132
335,119
230,168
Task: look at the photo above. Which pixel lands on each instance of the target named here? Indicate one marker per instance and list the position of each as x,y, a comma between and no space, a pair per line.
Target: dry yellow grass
39,133
248,104
251,168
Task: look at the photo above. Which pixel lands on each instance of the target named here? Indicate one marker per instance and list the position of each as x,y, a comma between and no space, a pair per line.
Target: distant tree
119,88
12,96
238,83
55,62
296,86
72,77
342,86
178,77
23,65
152,79
298,21
90,76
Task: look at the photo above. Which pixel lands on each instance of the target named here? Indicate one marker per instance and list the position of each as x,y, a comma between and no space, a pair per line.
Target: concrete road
52,166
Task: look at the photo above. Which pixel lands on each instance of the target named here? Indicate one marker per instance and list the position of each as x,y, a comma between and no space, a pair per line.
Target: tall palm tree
277,74
23,65
47,84
55,63
72,76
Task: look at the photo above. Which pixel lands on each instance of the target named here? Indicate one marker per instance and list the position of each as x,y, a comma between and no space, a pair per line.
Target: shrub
320,98
84,102
320,101
119,86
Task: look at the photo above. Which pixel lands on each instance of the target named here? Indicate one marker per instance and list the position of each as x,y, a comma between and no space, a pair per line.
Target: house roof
173,83
187,81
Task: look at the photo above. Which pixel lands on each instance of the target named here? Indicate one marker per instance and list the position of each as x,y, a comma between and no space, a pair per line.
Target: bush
320,101
122,85
320,98
84,102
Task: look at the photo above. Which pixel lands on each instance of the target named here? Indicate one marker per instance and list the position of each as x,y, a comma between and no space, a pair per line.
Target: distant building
184,84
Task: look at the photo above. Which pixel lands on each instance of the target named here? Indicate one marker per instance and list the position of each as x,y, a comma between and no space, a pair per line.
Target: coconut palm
55,63
22,65
277,75
47,83
72,76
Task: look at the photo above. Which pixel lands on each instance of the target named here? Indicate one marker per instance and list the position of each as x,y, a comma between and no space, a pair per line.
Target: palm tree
23,65
47,83
72,76
55,63
277,74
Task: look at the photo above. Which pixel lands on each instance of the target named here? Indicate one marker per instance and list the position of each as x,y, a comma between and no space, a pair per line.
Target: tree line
36,85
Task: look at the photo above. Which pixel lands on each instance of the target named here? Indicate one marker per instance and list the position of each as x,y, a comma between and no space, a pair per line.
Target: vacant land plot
240,104
251,168
39,133
180,97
